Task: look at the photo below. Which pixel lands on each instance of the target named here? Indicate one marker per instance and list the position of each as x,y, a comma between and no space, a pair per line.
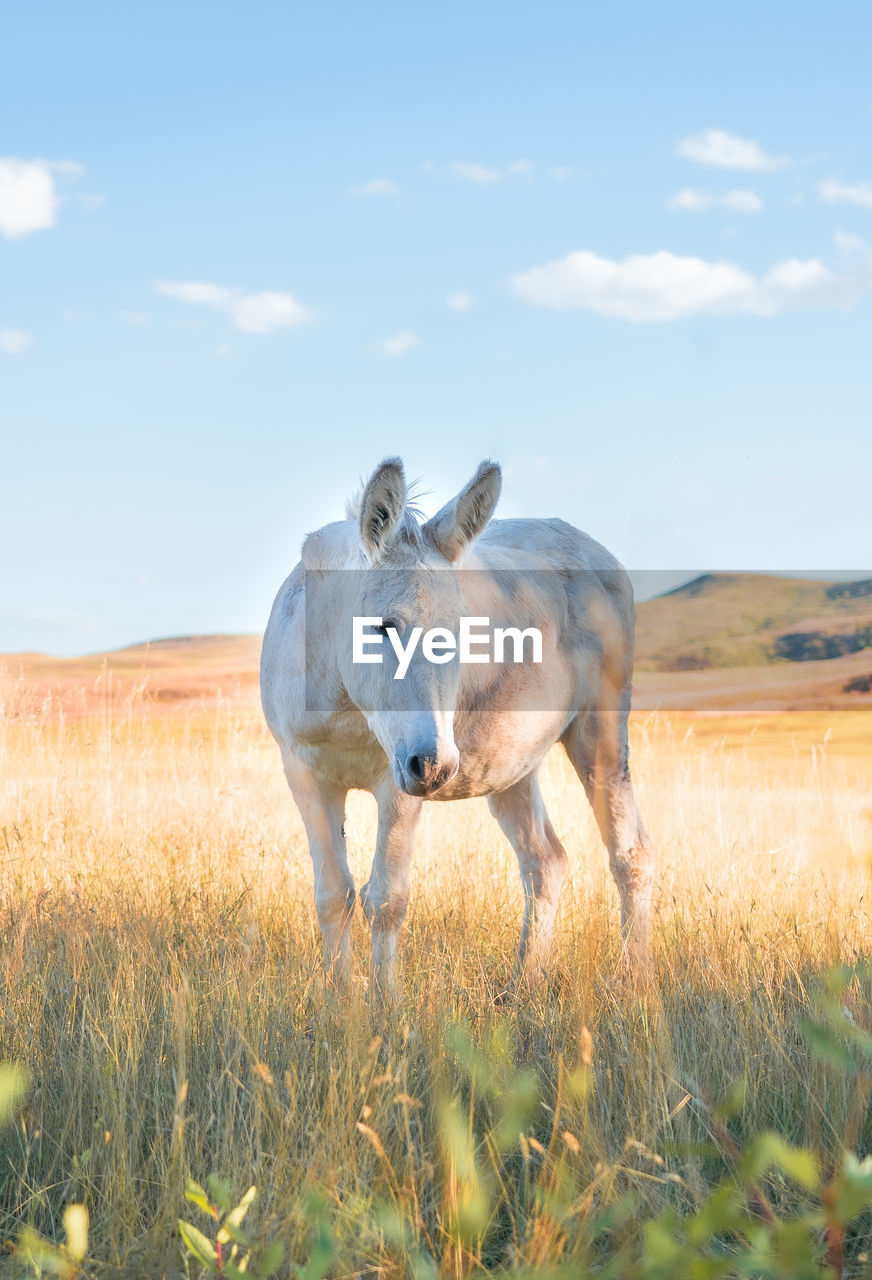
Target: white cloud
212,295
459,301
810,283
250,312
478,174
852,245
29,198
560,172
400,343
724,150
66,168
481,175
664,286
377,187
692,201
834,192
660,286
14,341
743,200
261,312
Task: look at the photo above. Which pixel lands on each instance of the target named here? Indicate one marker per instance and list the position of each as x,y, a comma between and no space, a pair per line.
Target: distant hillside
177,673
749,620
737,641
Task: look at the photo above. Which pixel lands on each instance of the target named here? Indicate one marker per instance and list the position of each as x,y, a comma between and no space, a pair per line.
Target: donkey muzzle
422,770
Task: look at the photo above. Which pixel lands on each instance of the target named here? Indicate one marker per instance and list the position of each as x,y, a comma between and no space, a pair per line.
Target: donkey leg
322,808
520,811
385,896
598,750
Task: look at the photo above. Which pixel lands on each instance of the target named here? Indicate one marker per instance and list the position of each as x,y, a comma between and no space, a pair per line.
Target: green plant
229,1252
40,1256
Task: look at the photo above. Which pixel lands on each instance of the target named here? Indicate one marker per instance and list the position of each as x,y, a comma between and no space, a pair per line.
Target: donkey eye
388,624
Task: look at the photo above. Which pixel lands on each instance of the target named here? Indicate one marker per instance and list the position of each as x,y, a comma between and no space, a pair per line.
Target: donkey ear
381,507
462,519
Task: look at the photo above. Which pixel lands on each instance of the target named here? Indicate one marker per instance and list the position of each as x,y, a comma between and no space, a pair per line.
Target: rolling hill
735,641
747,620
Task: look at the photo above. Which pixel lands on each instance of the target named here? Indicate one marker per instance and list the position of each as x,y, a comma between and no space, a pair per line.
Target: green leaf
40,1254
393,1224
236,1215
423,1266
324,1247
770,1150
320,1260
473,1211
853,1188
732,1102
840,978
230,1226
520,1103
230,1231
14,1084
272,1259
76,1228
485,1065
661,1249
197,1244
825,1044
723,1210
234,1272
454,1132
857,1036
220,1192
196,1194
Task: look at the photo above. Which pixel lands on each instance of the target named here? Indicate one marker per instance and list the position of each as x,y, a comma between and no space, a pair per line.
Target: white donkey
447,729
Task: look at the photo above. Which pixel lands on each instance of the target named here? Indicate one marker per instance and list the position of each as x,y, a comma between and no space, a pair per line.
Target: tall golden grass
162,986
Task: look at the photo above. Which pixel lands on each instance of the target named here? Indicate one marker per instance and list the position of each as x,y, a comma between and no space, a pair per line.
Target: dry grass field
161,987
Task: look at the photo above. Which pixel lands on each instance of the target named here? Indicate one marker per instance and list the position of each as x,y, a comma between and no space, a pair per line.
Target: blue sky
245,252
